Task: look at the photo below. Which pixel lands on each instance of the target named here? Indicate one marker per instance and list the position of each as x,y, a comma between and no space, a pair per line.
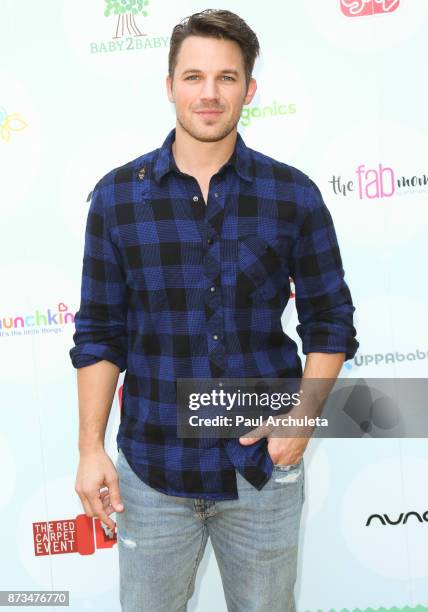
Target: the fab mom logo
378,181
128,28
362,8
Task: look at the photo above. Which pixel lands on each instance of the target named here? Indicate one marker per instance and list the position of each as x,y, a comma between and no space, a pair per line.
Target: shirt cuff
328,338
88,354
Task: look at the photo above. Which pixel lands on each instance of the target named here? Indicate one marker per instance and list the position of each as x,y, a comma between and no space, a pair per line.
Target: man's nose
209,89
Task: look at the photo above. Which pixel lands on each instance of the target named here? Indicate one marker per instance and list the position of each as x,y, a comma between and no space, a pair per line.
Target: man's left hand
285,451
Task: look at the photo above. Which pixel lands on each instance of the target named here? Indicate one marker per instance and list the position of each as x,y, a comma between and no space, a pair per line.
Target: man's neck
201,159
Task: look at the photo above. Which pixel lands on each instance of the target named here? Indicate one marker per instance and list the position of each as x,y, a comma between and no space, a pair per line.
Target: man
188,254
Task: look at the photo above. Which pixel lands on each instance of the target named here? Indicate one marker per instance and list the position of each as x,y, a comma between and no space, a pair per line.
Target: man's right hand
95,472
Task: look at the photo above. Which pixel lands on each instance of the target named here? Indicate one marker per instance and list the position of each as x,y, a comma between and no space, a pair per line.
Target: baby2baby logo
128,32
361,8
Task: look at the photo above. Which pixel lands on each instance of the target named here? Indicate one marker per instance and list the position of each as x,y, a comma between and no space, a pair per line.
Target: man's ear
251,91
169,88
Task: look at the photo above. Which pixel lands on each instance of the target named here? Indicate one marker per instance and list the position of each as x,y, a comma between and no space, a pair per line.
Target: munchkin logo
361,8
50,319
378,182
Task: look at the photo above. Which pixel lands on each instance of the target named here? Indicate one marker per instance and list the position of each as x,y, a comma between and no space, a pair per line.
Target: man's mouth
209,113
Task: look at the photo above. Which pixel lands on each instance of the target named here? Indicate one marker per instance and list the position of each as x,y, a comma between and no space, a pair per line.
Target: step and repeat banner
341,95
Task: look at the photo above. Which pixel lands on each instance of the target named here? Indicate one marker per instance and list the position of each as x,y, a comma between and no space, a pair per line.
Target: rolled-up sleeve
100,322
323,299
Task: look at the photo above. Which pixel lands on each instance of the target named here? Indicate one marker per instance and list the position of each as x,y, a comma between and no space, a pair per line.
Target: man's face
209,88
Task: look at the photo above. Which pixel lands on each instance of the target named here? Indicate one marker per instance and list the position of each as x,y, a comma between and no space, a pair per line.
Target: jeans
162,538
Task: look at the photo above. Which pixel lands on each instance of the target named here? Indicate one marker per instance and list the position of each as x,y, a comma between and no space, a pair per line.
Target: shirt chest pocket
261,270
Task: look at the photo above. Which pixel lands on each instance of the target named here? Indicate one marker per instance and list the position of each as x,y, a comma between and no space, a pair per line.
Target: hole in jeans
290,476
127,542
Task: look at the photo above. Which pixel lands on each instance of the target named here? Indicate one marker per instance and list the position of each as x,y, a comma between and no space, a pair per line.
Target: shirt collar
240,159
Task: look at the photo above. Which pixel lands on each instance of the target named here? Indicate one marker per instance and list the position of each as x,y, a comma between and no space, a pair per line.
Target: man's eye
192,76
226,76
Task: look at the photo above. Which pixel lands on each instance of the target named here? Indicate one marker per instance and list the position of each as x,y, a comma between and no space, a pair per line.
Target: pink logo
359,8
375,182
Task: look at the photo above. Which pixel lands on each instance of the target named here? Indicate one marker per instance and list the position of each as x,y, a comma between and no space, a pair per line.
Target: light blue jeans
162,538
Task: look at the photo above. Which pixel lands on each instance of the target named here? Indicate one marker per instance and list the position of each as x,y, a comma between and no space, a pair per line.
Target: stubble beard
203,135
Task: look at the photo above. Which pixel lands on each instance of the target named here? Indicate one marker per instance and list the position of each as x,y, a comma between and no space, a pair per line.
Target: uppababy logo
374,359
401,520
128,31
360,8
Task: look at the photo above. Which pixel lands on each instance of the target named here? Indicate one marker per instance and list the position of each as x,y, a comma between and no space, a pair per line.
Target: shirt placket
211,214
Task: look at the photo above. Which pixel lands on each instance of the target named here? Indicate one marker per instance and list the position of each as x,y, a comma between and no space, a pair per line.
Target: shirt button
212,288
195,198
216,195
210,241
215,337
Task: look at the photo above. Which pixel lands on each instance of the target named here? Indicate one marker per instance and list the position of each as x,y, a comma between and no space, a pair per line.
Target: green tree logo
126,11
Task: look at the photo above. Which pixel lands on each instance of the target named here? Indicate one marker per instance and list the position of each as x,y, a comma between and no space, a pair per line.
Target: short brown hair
216,24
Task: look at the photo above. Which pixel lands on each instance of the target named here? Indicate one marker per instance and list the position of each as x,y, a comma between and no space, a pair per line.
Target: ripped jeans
162,538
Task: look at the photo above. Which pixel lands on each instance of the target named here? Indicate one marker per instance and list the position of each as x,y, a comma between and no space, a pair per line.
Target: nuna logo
401,520
361,8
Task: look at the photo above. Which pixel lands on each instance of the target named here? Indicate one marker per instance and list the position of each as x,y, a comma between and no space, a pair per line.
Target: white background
360,94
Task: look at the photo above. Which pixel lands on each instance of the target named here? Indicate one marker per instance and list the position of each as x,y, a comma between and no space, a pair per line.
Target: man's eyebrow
191,70
225,71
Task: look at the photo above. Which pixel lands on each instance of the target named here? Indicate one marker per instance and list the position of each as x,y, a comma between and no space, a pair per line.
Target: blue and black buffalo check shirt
175,287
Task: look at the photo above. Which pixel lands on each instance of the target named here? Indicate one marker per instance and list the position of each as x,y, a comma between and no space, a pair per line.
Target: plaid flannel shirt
175,287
